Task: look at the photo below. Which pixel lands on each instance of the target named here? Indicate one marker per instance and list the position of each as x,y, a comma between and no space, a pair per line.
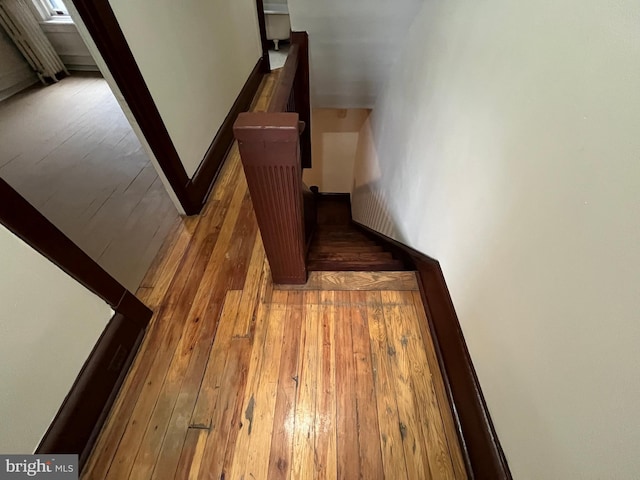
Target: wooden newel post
270,150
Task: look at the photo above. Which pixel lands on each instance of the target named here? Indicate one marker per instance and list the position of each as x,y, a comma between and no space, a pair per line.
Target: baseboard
82,68
480,445
200,185
77,424
17,87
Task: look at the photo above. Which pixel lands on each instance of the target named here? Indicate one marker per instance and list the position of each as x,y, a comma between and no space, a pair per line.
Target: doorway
69,149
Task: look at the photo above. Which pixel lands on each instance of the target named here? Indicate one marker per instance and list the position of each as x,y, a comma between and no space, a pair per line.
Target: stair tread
340,245
345,234
351,256
353,281
390,265
346,248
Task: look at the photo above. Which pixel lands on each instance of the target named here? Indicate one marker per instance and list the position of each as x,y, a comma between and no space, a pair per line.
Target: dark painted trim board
105,31
484,458
200,185
21,218
262,25
77,424
81,416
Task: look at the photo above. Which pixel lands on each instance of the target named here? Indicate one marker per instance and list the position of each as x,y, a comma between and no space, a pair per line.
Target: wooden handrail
283,90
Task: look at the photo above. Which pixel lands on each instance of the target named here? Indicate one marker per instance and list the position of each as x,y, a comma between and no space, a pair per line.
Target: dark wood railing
275,146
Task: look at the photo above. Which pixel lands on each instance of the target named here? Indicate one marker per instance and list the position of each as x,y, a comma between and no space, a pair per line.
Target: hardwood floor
240,379
69,150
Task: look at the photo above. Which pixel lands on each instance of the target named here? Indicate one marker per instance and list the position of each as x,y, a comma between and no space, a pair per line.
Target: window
55,7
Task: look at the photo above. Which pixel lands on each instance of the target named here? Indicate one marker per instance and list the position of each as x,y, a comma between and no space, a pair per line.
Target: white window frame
53,12
44,10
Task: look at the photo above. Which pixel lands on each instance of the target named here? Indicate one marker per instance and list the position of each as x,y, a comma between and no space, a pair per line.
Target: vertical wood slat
301,94
270,151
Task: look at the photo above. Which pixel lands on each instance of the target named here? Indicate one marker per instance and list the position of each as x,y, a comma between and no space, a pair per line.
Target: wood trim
287,76
20,217
262,24
483,454
105,31
200,185
77,424
103,27
302,94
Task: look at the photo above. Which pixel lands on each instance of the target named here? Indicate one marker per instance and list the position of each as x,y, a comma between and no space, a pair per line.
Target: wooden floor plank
325,415
305,432
415,447
393,457
248,396
226,419
251,289
284,416
158,398
424,393
443,404
346,408
368,429
256,462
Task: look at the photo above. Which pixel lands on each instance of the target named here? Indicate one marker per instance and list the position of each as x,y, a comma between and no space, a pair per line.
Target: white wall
507,146
195,57
49,324
334,142
352,45
15,72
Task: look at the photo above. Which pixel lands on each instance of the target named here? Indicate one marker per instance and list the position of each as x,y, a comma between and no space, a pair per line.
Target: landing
238,378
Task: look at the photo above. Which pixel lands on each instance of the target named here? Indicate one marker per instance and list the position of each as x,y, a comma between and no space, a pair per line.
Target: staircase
338,245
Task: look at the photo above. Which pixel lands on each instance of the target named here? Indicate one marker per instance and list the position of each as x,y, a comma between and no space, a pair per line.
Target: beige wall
49,324
507,146
15,72
195,56
334,140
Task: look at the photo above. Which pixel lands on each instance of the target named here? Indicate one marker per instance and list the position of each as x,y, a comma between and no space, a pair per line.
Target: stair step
351,256
342,233
323,265
337,244
353,281
344,238
346,247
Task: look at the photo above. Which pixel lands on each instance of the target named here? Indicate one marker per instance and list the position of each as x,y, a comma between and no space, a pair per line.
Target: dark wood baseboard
481,447
200,185
77,424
